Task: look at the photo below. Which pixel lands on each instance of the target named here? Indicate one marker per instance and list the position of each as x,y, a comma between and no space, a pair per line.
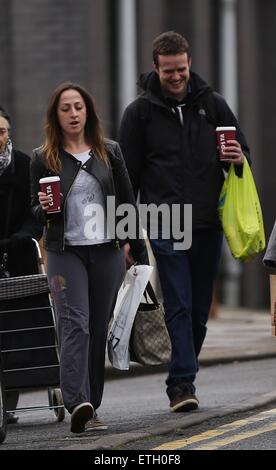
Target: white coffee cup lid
227,128
49,179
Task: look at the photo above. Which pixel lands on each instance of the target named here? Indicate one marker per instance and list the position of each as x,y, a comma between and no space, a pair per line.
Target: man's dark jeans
187,279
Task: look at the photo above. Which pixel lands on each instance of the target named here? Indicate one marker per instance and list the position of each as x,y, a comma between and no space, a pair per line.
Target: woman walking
85,261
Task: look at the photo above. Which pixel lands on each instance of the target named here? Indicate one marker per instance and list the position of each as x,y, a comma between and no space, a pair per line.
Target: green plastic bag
241,214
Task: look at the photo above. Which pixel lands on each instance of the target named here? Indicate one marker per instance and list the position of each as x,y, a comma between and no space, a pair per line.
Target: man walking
168,141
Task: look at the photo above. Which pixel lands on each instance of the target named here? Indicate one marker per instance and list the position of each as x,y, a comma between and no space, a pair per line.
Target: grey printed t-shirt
85,218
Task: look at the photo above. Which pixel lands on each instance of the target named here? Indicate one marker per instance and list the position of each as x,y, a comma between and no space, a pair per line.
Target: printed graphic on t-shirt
85,217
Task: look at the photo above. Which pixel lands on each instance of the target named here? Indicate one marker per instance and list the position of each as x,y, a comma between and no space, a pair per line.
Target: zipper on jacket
116,241
64,207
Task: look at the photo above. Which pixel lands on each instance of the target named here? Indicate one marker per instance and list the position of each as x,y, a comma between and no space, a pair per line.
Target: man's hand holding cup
229,148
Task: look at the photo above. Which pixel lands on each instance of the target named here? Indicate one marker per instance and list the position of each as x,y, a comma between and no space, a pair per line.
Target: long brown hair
54,139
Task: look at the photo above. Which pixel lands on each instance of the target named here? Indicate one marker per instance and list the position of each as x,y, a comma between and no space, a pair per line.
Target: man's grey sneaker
95,424
182,397
80,415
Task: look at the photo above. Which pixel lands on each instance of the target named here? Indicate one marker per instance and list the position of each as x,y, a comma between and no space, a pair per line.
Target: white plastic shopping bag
128,300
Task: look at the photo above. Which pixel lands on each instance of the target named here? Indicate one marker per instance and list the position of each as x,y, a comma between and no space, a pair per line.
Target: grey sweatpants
84,282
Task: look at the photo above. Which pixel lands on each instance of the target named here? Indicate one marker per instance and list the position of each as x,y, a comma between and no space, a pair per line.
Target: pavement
236,334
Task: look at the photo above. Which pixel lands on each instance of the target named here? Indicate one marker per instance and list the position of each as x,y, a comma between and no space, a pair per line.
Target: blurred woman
17,224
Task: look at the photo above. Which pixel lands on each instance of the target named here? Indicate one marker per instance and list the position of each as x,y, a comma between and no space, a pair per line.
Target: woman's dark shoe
11,418
95,424
80,415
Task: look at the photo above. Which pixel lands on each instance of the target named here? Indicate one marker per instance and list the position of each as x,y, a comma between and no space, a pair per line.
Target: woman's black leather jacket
114,181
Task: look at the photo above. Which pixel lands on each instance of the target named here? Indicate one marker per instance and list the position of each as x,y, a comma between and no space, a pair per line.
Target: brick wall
48,43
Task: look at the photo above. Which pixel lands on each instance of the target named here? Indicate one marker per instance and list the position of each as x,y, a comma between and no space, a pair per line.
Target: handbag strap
150,292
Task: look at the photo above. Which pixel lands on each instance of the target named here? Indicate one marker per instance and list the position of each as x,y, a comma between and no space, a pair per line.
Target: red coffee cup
51,186
223,135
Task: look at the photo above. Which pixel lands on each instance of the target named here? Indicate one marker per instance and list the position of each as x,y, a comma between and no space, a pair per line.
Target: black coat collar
94,166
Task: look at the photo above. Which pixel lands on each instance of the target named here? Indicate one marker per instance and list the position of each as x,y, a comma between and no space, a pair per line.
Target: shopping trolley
29,356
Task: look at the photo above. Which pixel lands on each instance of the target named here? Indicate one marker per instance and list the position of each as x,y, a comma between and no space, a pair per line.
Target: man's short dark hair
169,43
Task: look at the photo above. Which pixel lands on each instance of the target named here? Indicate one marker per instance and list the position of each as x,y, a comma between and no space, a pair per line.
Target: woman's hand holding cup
44,200
50,195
